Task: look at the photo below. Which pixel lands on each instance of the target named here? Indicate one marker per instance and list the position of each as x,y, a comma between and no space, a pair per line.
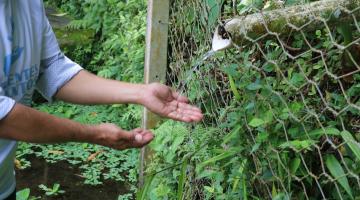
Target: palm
161,100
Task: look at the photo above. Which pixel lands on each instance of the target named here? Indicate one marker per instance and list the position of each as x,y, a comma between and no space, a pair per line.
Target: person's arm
23,123
86,88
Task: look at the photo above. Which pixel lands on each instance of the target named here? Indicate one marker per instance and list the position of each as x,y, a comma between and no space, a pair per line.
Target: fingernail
138,137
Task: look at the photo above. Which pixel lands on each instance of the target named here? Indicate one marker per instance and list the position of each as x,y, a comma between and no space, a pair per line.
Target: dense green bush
118,48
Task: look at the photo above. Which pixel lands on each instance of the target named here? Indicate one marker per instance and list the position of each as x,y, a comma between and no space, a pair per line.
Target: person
31,59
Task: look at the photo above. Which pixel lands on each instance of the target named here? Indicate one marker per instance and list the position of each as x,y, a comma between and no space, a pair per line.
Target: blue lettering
18,84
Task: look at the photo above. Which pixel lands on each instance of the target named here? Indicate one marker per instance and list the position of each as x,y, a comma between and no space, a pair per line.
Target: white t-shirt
30,59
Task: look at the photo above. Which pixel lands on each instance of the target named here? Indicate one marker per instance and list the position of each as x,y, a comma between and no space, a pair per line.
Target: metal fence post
155,64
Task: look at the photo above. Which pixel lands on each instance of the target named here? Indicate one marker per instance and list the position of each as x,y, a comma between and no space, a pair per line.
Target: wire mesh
282,107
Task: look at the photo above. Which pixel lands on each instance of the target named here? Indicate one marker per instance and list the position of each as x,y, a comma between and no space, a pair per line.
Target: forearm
86,88
26,124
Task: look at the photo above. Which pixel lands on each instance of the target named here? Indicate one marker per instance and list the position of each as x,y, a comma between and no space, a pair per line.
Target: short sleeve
6,104
55,68
55,72
50,46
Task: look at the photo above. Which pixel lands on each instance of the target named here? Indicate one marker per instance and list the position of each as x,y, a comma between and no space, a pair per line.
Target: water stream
195,68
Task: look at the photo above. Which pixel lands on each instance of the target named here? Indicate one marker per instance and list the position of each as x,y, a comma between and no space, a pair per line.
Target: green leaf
234,89
232,134
182,178
345,30
56,187
254,86
23,194
324,131
214,11
209,189
244,188
220,157
294,165
351,142
143,192
256,122
273,191
298,144
261,137
338,173
255,147
241,173
297,79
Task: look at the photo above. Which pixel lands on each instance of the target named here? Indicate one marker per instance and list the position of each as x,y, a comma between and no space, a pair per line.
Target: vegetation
281,113
278,111
116,52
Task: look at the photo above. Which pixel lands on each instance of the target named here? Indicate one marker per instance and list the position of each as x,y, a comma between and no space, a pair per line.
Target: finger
179,97
193,117
126,135
138,137
148,137
179,117
186,106
142,139
196,118
138,130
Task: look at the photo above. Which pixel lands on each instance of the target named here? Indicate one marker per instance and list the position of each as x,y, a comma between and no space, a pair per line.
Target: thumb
133,135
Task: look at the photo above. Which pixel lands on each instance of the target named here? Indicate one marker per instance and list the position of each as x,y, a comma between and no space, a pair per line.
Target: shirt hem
8,192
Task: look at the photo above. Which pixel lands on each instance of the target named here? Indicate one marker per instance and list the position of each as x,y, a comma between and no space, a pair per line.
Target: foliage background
269,130
117,52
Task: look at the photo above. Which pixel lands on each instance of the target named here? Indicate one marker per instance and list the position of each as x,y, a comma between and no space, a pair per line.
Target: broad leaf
294,165
338,173
23,194
324,131
298,144
351,142
256,122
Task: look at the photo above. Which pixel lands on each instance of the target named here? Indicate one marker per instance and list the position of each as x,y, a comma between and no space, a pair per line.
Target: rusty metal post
155,64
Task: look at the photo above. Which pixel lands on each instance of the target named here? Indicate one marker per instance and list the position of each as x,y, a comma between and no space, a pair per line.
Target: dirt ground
70,180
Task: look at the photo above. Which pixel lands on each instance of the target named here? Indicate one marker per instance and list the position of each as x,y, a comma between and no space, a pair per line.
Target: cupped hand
162,100
114,137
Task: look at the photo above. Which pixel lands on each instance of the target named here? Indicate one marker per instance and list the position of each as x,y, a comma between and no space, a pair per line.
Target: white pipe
221,40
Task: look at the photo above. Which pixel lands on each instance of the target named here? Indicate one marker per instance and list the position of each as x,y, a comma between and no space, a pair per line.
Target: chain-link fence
282,107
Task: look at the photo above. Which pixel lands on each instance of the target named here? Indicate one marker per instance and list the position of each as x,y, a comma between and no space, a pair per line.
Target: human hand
114,137
160,99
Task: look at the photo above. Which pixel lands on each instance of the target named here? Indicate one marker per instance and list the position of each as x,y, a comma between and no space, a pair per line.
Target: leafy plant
24,194
52,191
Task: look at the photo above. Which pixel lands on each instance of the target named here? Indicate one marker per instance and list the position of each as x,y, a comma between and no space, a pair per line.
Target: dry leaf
93,156
17,164
56,152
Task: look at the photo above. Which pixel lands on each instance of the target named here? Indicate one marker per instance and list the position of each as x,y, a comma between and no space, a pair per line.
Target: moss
277,20
71,38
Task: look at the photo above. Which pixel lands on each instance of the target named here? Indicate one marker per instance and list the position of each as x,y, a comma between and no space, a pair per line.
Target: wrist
88,133
141,94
